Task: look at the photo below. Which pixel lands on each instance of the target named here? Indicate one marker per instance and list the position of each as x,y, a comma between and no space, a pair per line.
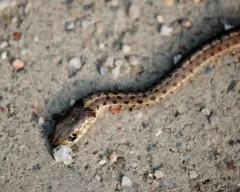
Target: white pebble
134,61
98,177
63,153
126,49
4,55
165,30
69,25
109,62
27,8
115,72
176,58
160,19
85,23
159,133
159,174
36,39
101,46
4,44
103,71
206,111
139,115
75,62
227,27
126,182
134,11
40,121
193,175
103,162
134,165
24,52
72,102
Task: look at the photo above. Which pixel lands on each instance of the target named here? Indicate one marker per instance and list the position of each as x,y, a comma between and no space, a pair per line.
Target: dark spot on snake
130,109
119,97
147,104
104,103
174,84
126,102
120,106
139,101
114,102
107,97
164,91
183,76
132,97
156,90
153,98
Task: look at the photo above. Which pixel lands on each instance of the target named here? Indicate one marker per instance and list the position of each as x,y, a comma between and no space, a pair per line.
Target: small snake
85,112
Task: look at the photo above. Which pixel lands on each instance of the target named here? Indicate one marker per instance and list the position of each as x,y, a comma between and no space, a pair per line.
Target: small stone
14,20
36,39
176,58
134,61
159,133
103,162
169,3
72,102
113,157
18,64
69,25
206,111
126,49
101,46
126,182
160,19
115,72
159,174
119,62
17,36
4,44
186,23
24,52
165,30
227,27
139,115
103,71
27,8
98,177
109,62
4,55
134,11
75,62
193,175
63,153
40,121
86,22
134,165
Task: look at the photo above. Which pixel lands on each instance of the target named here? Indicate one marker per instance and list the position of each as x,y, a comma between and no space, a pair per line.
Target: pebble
134,165
4,55
103,71
36,39
101,46
160,19
103,162
69,25
165,30
27,8
169,3
109,62
139,115
40,121
126,182
113,157
4,44
186,23
206,111
177,58
115,72
193,175
159,133
72,102
134,61
158,174
63,153
114,3
18,64
98,177
126,49
134,11
24,52
75,62
86,22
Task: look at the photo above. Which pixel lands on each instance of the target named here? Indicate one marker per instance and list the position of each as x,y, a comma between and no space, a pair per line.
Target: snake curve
79,118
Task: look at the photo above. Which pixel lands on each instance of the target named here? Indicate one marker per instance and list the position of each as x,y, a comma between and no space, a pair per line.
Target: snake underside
84,113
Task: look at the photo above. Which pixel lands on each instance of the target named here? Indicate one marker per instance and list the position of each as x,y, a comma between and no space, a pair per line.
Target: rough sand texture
194,152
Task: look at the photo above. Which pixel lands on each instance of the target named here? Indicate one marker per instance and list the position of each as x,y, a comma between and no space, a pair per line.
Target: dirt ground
189,142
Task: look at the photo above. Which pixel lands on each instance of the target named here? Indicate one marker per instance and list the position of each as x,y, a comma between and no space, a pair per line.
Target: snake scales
85,112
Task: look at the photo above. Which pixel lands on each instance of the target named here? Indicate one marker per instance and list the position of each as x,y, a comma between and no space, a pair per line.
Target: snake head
73,126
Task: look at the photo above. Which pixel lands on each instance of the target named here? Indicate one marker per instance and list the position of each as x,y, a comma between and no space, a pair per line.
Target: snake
84,113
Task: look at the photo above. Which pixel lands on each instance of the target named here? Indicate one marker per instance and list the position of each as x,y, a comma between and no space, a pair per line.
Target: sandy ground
192,151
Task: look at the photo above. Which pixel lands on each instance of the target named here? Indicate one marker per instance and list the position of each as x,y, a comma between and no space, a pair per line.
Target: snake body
85,112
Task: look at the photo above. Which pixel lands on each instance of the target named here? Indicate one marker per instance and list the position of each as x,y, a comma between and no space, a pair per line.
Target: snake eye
72,137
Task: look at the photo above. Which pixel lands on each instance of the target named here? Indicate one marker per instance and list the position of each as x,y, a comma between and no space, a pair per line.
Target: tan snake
85,112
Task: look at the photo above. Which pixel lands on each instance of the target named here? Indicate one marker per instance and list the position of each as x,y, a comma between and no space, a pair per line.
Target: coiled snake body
84,113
